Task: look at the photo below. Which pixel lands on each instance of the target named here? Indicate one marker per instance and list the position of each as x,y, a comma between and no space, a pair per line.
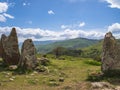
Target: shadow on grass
112,77
18,71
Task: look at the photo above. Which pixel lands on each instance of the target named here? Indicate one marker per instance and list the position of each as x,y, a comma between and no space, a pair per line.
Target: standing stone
10,50
0,49
28,59
111,53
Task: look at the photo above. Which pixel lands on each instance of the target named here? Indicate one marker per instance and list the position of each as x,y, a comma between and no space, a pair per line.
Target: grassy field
68,74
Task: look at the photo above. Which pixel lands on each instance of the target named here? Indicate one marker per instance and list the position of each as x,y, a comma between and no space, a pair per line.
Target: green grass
73,70
92,62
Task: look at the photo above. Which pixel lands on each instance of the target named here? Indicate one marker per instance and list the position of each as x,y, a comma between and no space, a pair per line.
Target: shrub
92,62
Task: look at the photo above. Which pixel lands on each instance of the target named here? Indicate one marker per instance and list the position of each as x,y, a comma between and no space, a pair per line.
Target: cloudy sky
60,19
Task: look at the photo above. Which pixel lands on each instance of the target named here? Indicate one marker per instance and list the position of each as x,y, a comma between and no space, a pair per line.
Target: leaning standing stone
28,59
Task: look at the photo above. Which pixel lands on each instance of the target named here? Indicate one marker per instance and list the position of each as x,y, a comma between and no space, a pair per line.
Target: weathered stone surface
102,86
3,37
111,53
10,50
0,49
28,59
44,60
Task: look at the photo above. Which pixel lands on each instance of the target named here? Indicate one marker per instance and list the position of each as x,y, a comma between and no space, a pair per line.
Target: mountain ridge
71,43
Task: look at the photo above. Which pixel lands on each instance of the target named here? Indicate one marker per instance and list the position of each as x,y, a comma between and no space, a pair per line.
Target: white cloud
8,15
113,3
12,4
82,24
51,12
38,34
115,29
63,26
73,26
26,4
74,1
3,9
2,18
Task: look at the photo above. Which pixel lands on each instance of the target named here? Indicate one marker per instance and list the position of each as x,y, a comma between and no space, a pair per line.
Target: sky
43,20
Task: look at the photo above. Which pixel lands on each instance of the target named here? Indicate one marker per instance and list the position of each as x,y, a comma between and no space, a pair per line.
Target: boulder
102,86
111,53
28,59
13,67
10,49
43,60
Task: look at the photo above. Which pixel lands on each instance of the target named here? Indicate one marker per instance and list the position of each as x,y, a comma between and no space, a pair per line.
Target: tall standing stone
10,48
111,53
28,59
0,49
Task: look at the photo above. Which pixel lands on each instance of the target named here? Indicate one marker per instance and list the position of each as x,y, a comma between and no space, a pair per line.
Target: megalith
111,54
28,59
10,49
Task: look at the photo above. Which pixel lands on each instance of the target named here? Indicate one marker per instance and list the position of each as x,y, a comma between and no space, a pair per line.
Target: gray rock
61,79
102,86
28,59
44,61
13,67
10,50
111,53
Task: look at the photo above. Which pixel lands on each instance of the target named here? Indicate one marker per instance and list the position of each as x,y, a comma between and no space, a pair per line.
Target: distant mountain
71,43
39,42
43,42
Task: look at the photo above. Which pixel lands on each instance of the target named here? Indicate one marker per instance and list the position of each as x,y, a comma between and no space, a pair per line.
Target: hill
93,51
71,43
39,42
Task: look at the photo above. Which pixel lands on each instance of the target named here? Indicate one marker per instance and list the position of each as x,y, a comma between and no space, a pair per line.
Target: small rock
32,74
53,83
35,72
11,79
61,79
8,74
102,86
13,67
40,69
44,61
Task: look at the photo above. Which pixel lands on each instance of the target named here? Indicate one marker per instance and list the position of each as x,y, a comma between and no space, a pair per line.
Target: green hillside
97,45
72,44
93,51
